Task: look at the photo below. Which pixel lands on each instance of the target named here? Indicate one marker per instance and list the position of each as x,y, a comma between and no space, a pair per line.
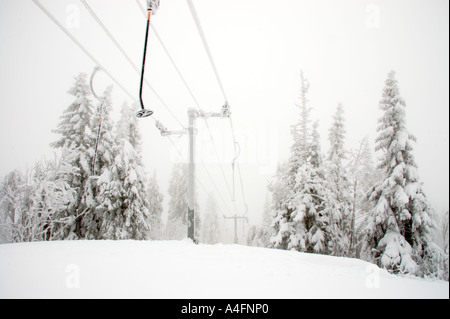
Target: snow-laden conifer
339,199
123,205
401,219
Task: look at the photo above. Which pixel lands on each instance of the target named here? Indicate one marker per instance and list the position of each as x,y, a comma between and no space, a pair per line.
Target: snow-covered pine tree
259,236
339,199
155,207
176,228
122,196
310,219
285,181
401,220
211,230
280,208
75,128
336,137
299,190
300,133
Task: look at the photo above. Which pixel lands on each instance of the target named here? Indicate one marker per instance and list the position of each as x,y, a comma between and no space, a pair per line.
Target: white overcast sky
345,47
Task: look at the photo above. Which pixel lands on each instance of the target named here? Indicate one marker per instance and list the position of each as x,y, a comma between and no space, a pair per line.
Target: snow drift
172,269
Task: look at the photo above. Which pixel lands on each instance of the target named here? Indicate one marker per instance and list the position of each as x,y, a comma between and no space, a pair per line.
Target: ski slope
171,269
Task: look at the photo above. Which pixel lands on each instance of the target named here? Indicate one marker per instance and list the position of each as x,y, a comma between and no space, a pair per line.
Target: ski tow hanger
152,6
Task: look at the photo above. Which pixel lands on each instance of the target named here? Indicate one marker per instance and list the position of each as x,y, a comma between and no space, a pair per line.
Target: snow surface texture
180,269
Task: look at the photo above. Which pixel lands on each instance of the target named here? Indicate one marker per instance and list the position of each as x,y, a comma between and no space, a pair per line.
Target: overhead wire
70,35
238,167
206,46
219,81
221,167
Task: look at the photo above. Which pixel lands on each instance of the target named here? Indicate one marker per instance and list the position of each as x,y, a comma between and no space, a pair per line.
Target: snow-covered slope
170,269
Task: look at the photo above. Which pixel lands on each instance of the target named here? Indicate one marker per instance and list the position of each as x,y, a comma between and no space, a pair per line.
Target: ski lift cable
205,45
236,144
127,57
83,49
206,193
211,59
233,164
216,188
217,155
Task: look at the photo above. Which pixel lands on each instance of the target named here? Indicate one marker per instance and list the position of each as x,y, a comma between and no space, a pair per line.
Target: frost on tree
53,197
14,203
123,206
284,187
36,206
298,189
75,128
281,194
310,218
401,219
339,199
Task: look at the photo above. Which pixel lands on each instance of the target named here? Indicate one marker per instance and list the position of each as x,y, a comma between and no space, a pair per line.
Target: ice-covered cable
205,44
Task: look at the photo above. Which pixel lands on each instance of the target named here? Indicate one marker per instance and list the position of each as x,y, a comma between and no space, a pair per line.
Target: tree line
342,204
73,197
